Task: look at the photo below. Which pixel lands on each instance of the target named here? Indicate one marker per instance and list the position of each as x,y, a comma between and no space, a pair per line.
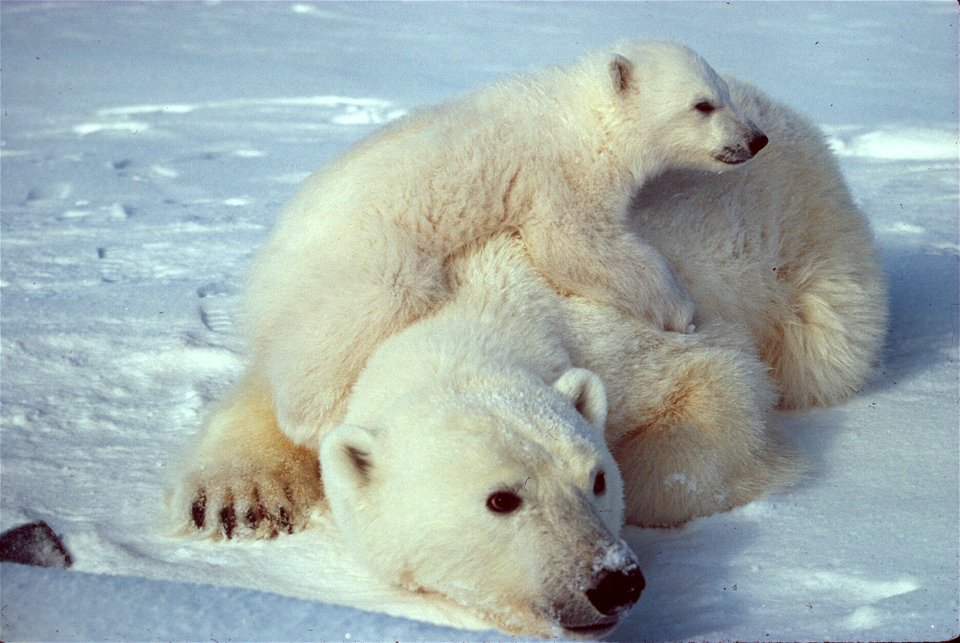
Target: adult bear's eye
503,502
705,107
600,484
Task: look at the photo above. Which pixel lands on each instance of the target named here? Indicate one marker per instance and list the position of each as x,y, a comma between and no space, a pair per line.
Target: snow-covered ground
145,151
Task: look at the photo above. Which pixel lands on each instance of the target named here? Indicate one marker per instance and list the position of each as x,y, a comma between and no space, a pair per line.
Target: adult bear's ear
587,393
621,74
348,459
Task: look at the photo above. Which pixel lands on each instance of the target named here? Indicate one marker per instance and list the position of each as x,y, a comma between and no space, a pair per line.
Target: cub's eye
705,107
600,484
503,502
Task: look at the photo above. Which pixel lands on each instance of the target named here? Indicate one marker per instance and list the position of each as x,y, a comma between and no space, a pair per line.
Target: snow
146,148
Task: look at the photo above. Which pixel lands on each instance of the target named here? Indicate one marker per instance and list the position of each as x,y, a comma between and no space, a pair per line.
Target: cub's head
665,107
500,495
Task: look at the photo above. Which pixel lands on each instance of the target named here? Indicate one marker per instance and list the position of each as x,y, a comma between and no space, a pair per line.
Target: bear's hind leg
245,478
827,341
694,438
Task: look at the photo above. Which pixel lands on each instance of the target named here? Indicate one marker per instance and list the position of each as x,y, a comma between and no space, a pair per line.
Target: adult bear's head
497,492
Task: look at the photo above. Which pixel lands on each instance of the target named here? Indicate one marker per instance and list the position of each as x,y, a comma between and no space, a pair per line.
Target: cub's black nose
616,590
758,142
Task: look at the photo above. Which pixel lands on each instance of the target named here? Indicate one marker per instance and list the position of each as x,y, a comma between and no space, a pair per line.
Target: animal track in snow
48,193
217,307
116,266
149,262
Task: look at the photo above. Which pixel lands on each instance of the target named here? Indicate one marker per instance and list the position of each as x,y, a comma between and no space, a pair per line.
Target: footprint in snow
124,265
43,194
116,266
218,306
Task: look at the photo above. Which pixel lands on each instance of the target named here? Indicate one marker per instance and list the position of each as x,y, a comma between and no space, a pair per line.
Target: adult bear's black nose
616,591
758,142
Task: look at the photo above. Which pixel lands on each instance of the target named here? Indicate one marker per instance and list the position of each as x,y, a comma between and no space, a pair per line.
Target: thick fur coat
511,384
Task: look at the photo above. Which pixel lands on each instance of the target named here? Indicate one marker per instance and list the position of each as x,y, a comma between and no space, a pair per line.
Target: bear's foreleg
313,352
245,478
609,264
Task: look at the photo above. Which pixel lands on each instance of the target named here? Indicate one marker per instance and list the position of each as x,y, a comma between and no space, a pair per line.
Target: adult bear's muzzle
616,591
614,587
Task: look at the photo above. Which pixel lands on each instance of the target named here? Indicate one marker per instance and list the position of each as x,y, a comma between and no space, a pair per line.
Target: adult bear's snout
616,591
758,142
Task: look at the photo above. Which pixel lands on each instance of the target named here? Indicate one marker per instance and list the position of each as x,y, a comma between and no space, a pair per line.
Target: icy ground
145,151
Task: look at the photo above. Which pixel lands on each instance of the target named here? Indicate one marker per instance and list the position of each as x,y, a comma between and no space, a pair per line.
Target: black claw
198,510
228,520
285,523
257,512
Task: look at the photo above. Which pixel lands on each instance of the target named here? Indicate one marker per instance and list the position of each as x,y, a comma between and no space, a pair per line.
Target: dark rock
34,544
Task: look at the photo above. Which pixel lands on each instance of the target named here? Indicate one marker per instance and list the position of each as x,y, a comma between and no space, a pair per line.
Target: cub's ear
587,393
621,74
348,459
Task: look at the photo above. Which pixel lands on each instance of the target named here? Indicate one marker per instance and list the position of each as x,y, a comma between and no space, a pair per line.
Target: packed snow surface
146,148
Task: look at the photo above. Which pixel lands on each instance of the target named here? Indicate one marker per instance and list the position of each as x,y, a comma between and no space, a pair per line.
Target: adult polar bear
781,267
556,155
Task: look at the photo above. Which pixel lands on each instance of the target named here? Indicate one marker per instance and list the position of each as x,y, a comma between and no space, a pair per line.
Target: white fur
507,383
362,250
779,248
486,377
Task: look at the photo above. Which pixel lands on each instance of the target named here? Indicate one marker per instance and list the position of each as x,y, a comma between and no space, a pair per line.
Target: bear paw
662,298
235,502
675,314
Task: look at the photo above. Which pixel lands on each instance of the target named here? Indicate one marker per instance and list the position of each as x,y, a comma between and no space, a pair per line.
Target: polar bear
790,312
363,247
479,408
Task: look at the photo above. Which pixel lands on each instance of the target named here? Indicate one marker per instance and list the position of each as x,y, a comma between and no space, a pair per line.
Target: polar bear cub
362,250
